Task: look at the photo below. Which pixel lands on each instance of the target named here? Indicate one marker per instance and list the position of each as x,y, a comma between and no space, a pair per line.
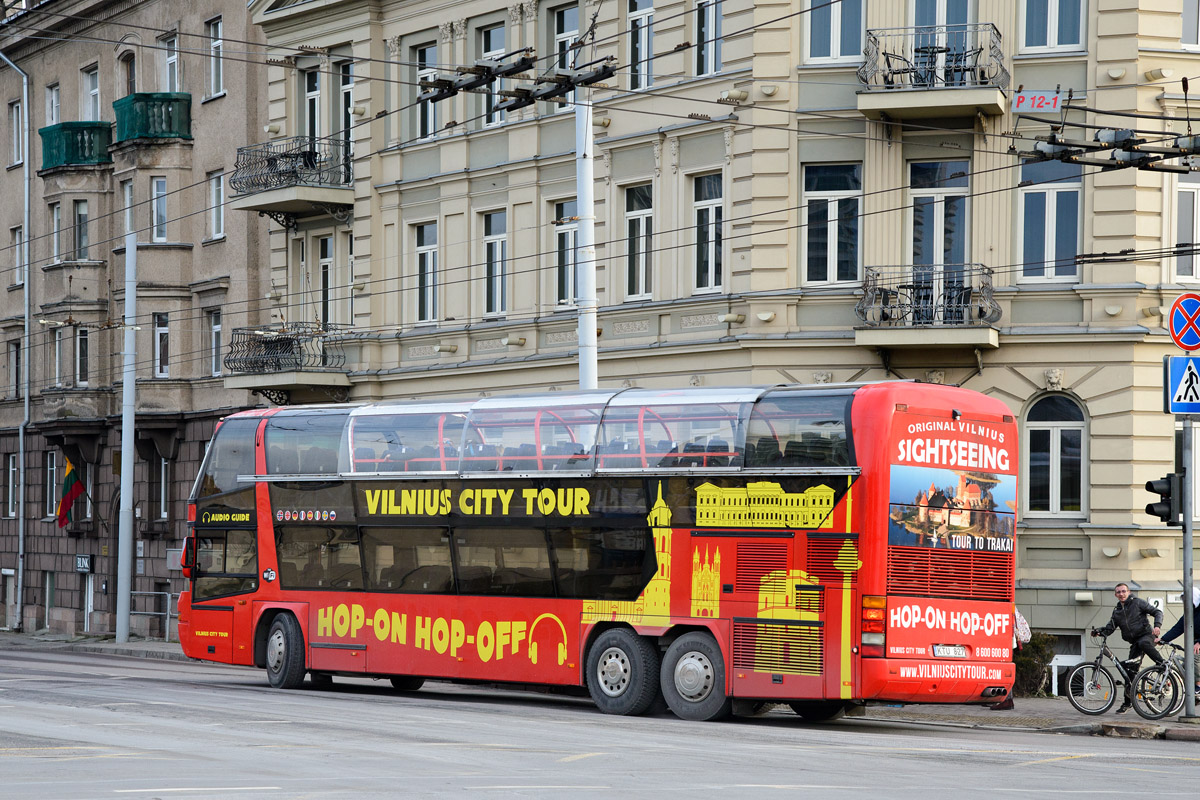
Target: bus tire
693,678
406,683
285,653
819,710
622,672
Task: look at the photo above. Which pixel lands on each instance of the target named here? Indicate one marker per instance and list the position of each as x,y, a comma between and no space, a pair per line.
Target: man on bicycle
1130,616
1177,631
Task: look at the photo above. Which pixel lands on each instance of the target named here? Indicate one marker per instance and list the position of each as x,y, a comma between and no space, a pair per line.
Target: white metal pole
128,460
1189,632
585,241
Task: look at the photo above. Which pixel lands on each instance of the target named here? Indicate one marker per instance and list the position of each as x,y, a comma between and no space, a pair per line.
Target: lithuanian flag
71,490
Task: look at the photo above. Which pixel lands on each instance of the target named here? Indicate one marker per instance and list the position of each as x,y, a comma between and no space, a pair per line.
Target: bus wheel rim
275,650
694,677
613,672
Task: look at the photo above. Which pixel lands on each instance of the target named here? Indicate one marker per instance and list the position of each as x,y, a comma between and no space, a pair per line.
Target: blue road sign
1181,384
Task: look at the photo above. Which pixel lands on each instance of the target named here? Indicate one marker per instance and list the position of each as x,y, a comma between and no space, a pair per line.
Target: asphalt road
78,725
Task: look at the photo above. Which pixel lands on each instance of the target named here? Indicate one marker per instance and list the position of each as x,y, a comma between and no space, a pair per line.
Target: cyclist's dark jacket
1130,617
1177,629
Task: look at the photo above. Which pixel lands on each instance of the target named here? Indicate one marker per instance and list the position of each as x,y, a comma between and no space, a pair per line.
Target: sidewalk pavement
1034,714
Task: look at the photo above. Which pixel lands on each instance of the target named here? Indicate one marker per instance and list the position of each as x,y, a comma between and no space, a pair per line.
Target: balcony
72,144
295,177
154,115
933,71
279,361
928,305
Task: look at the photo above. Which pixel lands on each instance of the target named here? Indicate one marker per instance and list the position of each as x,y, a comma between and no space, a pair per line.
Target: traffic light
1169,507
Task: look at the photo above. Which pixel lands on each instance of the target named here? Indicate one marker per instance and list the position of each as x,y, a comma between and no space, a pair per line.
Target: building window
216,205
56,232
53,104
170,50
1191,23
52,487
325,276
81,357
566,35
164,489
214,343
1053,24
708,36
158,209
14,484
495,246
216,74
129,73
492,46
1056,450
938,190
89,488
18,248
346,77
709,216
56,355
1050,219
17,129
566,226
427,272
1187,223
127,200
312,103
90,94
835,30
639,241
14,368
426,58
641,43
832,196
162,347
81,230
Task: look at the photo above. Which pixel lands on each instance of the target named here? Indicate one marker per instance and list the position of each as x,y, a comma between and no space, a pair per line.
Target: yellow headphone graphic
562,647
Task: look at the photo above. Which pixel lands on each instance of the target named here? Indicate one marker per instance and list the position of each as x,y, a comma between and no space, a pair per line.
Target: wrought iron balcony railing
75,143
298,161
928,294
154,115
933,57
288,347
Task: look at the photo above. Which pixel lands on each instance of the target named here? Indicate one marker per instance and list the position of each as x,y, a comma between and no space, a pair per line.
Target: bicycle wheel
1091,689
1155,691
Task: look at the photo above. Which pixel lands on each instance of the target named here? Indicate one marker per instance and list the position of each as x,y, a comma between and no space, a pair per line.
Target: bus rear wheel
819,710
693,678
406,683
285,653
622,673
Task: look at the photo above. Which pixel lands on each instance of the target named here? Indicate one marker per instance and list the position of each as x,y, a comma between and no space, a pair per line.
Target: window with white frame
835,30
14,484
216,66
127,205
495,247
311,81
53,104
1050,214
162,347
14,368
1055,452
90,94
216,205
566,34
158,209
1187,225
641,43
80,226
169,47
56,355
82,356
708,36
492,46
1052,25
427,271
639,241
164,488
17,129
18,249
831,235
709,218
939,226
52,487
346,80
427,115
56,232
1191,24
325,279
214,343
566,255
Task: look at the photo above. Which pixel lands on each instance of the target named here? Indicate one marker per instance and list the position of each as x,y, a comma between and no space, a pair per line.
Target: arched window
1055,455
129,73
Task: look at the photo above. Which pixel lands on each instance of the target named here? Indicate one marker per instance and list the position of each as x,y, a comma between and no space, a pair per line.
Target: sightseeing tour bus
720,549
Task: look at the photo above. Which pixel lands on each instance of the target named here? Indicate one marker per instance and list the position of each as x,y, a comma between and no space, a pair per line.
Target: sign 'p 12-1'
1184,321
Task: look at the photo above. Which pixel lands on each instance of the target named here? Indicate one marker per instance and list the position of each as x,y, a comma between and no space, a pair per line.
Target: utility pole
128,459
585,245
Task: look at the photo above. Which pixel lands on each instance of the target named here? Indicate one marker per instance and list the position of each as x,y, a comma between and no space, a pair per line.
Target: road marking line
1048,760
535,786
199,789
579,757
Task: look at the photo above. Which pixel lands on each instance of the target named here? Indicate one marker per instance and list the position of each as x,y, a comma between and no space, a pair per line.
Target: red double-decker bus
821,546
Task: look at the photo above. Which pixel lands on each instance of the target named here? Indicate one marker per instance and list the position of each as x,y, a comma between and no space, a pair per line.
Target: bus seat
765,453
289,576
432,578
474,580
526,582
364,460
284,462
320,460
721,448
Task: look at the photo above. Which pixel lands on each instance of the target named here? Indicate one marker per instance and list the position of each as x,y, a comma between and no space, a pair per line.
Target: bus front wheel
406,683
622,672
693,678
285,653
819,710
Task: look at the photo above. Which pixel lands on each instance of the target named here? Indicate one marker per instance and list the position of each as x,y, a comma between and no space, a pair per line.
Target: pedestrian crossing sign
1181,382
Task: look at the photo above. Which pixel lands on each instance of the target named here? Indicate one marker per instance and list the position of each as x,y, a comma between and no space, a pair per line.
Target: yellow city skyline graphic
706,583
764,504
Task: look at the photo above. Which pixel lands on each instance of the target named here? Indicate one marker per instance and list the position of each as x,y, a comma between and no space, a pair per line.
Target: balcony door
942,40
940,287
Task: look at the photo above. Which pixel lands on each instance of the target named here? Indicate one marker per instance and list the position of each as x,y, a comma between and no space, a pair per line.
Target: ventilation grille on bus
963,574
781,649
826,555
756,560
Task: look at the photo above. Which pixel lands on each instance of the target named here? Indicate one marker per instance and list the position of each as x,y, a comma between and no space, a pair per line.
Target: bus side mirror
187,558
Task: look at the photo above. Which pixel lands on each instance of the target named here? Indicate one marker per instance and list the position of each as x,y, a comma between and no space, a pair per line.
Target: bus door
226,572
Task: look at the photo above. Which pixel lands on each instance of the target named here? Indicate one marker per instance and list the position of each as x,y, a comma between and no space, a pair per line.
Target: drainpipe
25,110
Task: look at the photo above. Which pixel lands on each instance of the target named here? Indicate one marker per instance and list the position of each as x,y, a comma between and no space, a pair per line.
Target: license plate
949,651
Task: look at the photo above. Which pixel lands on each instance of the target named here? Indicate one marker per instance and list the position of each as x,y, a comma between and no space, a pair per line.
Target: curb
131,652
